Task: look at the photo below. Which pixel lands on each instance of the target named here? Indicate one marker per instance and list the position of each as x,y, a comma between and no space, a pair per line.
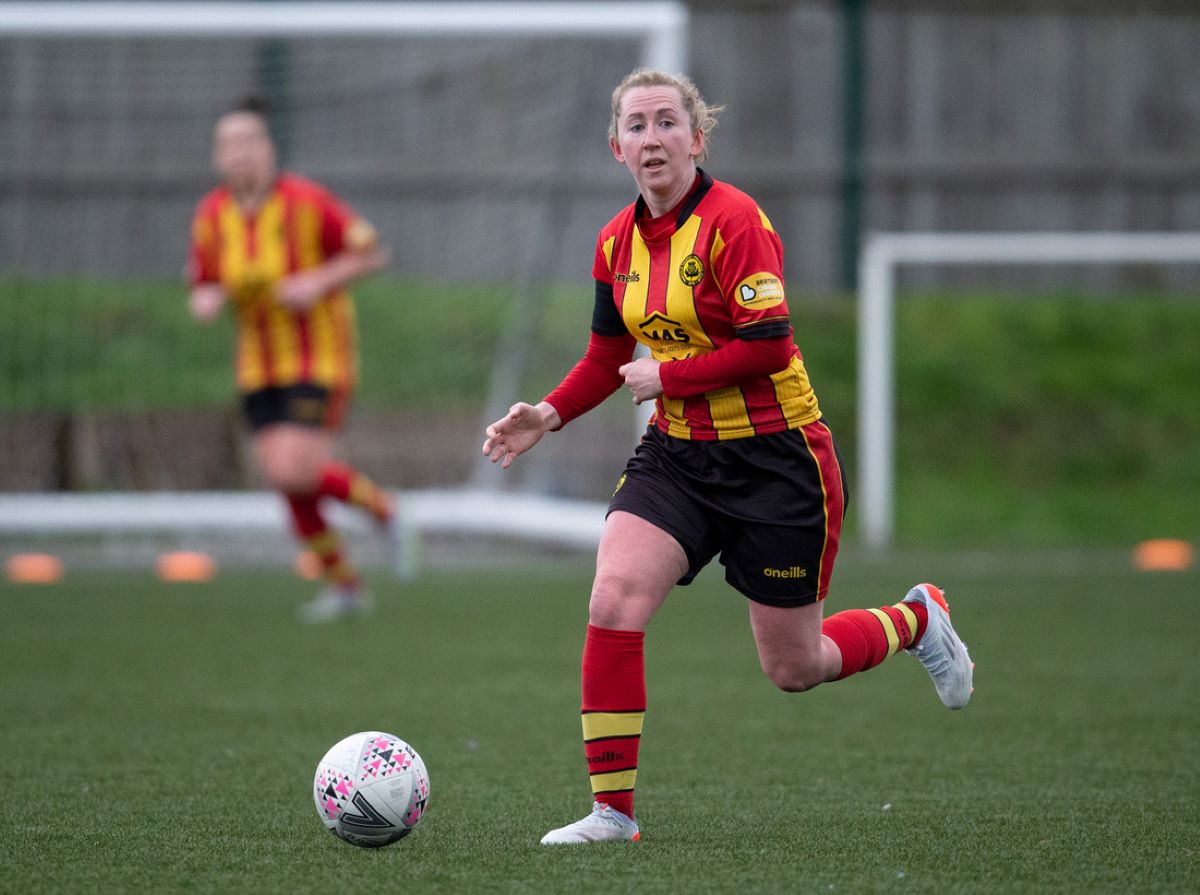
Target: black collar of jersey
689,205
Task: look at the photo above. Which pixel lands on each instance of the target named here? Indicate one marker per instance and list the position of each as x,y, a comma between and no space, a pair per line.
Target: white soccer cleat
604,824
941,651
336,602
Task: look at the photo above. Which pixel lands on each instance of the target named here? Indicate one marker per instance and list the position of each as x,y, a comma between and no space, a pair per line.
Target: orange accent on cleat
637,837
936,593
940,649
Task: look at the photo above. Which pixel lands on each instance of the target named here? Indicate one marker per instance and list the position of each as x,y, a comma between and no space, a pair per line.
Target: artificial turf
163,737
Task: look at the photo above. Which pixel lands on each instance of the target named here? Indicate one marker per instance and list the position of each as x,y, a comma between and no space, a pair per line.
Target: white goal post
883,254
658,28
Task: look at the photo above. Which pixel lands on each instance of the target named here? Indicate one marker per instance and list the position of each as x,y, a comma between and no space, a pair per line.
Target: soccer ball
371,789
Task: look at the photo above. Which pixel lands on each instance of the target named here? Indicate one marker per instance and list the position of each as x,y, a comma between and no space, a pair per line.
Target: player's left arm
742,360
352,251
748,271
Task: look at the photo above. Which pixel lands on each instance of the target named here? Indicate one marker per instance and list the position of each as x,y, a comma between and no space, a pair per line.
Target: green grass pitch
163,738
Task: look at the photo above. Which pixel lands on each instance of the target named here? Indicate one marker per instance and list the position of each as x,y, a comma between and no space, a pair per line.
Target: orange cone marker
308,566
186,566
1163,555
34,568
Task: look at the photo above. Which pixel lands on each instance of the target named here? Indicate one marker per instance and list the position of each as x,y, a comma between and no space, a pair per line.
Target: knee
286,477
612,595
287,472
792,675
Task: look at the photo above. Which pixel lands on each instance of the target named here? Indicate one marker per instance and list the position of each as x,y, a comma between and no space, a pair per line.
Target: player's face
657,143
243,153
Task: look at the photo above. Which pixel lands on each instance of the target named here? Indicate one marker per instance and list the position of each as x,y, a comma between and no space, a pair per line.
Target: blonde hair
702,116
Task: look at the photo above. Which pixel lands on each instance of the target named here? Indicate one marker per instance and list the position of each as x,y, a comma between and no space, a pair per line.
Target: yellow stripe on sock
365,493
911,618
614,782
325,543
889,628
611,724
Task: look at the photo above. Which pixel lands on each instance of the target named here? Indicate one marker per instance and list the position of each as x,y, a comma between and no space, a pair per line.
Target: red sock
310,526
866,637
307,520
345,483
614,703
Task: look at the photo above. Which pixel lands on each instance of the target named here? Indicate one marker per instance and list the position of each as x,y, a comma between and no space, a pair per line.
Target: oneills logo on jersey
664,329
631,277
691,271
760,290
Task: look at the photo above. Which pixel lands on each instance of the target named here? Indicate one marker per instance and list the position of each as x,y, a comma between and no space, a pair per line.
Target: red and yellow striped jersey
301,225
692,281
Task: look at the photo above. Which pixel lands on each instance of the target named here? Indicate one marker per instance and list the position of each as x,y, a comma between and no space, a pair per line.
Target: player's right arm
519,430
598,373
591,380
207,296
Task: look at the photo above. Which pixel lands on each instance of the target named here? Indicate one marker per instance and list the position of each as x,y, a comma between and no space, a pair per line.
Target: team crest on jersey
760,290
691,271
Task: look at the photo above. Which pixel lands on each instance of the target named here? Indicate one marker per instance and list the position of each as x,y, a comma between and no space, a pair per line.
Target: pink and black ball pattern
333,790
371,789
420,799
384,757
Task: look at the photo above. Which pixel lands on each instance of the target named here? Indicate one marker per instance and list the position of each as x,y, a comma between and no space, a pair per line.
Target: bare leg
793,652
291,456
636,567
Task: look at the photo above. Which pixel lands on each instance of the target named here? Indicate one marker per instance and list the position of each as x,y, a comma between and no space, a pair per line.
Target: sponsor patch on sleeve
758,291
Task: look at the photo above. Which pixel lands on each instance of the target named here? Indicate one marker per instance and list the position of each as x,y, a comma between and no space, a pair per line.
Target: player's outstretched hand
517,431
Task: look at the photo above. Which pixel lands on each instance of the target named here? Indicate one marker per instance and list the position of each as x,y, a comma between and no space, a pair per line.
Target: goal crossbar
883,254
662,24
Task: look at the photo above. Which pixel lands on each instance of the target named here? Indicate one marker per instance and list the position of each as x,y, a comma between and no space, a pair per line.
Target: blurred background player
281,249
736,459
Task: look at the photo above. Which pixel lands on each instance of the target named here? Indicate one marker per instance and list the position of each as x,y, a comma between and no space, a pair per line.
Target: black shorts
302,404
770,505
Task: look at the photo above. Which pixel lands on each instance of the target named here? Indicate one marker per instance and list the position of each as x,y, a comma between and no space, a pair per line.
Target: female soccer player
281,249
736,459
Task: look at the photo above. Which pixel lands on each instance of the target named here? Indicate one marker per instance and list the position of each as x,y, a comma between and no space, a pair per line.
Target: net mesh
482,161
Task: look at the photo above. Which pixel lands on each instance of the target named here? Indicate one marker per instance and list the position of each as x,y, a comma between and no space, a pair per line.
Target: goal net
473,135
